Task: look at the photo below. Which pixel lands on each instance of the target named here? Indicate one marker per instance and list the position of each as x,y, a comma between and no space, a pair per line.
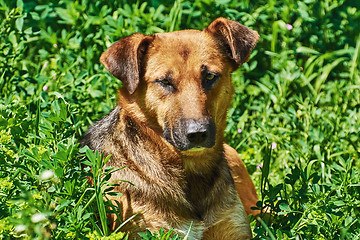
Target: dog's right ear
123,59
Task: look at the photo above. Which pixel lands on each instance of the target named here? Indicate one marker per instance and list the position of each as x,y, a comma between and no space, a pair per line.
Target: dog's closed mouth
196,149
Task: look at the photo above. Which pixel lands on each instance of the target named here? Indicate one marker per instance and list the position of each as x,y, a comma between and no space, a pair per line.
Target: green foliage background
295,118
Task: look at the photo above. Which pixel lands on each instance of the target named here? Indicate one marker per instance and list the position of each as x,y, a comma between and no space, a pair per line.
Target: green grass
300,90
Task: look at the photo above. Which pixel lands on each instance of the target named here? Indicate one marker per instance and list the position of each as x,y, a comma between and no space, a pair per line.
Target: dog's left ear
123,59
235,39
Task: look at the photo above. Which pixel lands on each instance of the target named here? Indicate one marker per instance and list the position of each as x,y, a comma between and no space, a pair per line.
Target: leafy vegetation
295,118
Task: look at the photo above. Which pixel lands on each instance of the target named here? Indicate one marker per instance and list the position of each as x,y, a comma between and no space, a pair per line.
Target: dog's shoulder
243,183
231,154
100,130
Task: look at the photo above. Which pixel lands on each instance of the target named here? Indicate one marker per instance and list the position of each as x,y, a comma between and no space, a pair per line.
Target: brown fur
177,187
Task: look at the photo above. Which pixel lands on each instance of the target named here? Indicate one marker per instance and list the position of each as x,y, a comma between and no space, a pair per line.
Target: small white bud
46,175
38,217
19,228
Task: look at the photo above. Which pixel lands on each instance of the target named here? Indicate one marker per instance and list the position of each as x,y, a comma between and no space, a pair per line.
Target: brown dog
168,130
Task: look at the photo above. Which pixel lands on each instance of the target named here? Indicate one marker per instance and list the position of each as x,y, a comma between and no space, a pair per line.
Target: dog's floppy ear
123,59
235,39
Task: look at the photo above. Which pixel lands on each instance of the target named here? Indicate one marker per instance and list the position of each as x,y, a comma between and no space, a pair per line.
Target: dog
168,132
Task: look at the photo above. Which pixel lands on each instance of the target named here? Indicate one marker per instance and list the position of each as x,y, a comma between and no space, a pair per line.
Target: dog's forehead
192,48
184,36
184,43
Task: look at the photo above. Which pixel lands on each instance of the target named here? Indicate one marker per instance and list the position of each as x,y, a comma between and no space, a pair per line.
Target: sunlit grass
295,117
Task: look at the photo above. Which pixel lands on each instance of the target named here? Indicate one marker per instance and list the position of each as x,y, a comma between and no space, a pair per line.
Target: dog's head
181,81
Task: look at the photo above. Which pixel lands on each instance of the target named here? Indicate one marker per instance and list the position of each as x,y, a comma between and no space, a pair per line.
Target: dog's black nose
197,133
192,134
200,133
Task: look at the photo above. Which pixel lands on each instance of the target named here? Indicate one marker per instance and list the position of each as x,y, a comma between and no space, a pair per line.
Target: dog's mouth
196,149
192,135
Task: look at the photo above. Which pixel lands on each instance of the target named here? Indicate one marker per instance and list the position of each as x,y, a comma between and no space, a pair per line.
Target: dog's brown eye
166,83
209,80
210,76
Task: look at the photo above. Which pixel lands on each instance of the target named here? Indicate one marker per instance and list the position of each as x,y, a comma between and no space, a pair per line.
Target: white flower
19,228
38,217
46,175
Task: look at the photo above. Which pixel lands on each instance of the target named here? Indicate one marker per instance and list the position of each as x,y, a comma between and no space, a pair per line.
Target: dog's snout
197,132
192,134
197,137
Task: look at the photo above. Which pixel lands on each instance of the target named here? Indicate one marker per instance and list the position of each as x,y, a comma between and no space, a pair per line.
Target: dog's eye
166,83
209,80
210,77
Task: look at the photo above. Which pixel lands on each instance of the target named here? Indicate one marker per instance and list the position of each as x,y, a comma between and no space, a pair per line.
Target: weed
295,118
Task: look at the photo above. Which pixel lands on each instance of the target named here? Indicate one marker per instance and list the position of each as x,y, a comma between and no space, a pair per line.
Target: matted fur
177,187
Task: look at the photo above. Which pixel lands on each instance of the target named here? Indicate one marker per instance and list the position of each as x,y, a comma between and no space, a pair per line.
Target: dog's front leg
231,223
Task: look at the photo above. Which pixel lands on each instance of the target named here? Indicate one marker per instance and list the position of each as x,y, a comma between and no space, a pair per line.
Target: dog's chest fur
157,171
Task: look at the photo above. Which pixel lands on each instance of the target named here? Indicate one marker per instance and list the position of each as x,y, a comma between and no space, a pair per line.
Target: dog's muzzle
192,135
